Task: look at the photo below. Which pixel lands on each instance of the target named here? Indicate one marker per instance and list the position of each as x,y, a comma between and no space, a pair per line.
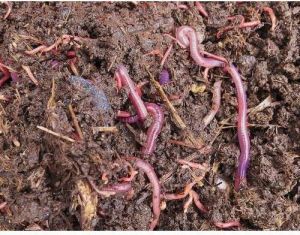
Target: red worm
125,80
229,224
9,8
201,9
216,101
36,50
163,60
131,119
197,202
181,6
118,188
244,141
112,189
181,195
187,37
154,130
203,167
149,171
2,205
272,16
6,74
240,26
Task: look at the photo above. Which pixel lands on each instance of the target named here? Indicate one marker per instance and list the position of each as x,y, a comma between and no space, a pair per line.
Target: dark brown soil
42,176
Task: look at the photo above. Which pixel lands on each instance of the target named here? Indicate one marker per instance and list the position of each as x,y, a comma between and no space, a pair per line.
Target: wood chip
112,129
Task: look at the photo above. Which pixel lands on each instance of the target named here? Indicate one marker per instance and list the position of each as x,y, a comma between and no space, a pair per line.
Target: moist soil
43,177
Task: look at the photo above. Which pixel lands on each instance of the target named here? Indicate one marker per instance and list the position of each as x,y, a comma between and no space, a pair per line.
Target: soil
42,177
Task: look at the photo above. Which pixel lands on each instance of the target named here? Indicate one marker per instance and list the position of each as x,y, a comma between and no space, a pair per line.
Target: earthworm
198,203
131,119
155,52
72,60
6,74
132,173
149,171
227,224
118,188
9,8
272,16
36,50
164,77
181,195
181,6
205,75
187,37
240,26
125,80
216,101
244,141
2,205
201,9
163,60
123,114
203,167
154,130
113,189
188,203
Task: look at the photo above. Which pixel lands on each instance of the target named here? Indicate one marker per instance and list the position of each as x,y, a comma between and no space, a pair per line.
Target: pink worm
244,141
9,8
2,205
197,202
6,74
118,188
203,167
154,130
216,101
227,224
163,60
114,188
240,26
272,16
131,119
125,80
149,171
201,9
36,50
181,195
187,37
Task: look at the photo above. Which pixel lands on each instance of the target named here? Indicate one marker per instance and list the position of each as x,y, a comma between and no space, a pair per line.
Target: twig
55,134
75,122
30,75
